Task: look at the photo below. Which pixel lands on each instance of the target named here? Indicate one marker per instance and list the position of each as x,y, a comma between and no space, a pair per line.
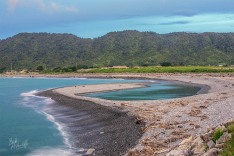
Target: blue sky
93,18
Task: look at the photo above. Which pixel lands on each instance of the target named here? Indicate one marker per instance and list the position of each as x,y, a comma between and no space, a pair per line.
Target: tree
40,68
165,64
2,70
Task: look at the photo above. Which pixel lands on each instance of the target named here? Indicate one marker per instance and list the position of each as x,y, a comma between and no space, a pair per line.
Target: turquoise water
155,91
28,129
25,128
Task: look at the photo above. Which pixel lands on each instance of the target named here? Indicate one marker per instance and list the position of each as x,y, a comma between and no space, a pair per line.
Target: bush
57,69
229,146
231,128
165,64
40,68
2,70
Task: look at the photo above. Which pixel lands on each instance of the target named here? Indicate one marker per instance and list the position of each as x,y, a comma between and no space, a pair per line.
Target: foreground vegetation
171,69
229,146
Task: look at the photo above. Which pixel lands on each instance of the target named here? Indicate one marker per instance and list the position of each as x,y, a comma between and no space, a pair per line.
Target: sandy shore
84,89
170,121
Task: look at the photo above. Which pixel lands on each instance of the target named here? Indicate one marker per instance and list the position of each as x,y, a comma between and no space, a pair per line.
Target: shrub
165,64
229,146
40,68
231,128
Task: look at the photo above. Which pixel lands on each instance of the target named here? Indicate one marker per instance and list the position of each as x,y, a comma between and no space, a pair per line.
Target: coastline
110,131
168,122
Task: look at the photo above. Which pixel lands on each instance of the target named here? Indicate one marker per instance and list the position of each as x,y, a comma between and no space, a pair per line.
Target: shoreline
170,121
110,131
204,88
128,76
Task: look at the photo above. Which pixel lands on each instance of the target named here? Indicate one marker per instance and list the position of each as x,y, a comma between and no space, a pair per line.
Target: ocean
28,128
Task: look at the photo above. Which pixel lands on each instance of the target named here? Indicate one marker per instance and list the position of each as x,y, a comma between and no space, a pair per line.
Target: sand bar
84,89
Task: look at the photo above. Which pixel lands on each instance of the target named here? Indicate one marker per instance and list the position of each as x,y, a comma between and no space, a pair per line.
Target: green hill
130,48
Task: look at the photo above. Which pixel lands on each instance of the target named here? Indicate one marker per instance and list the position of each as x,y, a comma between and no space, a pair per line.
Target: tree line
65,52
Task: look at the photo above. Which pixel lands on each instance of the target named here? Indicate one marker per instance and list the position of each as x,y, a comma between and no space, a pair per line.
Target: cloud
12,4
175,22
145,24
44,6
55,7
185,12
147,15
41,4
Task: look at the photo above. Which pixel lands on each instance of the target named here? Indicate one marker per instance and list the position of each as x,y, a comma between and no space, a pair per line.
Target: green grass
172,69
229,146
217,134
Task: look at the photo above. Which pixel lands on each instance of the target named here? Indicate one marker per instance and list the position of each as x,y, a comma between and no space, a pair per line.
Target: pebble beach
168,122
165,123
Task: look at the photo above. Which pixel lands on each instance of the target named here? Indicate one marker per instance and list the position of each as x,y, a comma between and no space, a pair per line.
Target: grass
156,69
229,146
217,134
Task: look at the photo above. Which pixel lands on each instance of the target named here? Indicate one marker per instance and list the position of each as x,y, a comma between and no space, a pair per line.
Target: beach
95,129
166,122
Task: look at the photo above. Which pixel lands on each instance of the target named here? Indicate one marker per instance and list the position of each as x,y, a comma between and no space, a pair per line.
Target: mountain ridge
129,47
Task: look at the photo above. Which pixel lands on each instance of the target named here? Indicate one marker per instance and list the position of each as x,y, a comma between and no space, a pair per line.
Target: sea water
26,127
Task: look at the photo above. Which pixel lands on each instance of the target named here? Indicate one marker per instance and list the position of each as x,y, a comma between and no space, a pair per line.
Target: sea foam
30,93
60,127
50,152
42,106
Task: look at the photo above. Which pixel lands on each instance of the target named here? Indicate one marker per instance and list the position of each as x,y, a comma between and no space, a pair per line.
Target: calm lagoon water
28,129
155,91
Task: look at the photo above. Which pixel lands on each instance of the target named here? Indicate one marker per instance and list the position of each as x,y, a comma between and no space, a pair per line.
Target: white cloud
41,4
71,9
12,4
49,7
55,7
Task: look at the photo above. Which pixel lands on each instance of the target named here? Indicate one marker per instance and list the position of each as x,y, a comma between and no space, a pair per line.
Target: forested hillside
130,48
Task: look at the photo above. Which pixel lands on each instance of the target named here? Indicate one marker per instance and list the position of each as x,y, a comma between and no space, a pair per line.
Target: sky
94,18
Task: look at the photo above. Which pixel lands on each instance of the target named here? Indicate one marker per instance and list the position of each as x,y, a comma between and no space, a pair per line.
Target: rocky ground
168,122
93,129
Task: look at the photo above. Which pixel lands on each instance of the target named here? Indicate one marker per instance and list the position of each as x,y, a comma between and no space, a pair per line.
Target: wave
30,99
48,151
33,93
60,127
20,77
44,106
83,78
41,106
48,101
66,78
30,93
